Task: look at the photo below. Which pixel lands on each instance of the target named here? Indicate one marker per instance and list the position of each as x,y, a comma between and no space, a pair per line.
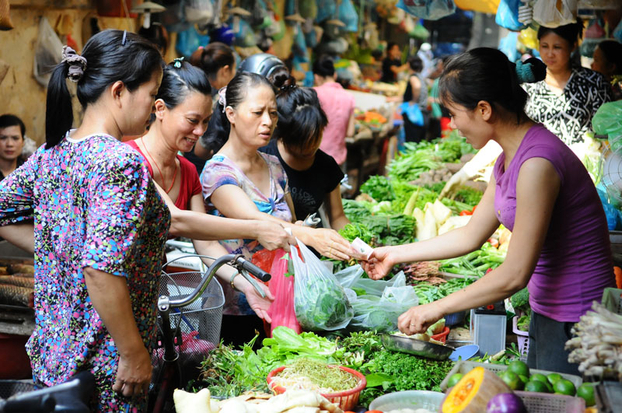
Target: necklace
158,168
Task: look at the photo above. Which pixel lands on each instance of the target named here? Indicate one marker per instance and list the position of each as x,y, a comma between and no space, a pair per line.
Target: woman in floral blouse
99,224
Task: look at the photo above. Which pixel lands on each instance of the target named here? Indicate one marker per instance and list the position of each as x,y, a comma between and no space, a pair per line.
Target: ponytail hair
235,93
212,57
301,118
487,74
109,56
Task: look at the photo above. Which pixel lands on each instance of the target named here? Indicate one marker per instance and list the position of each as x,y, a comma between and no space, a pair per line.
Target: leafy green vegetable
379,188
520,300
392,371
357,230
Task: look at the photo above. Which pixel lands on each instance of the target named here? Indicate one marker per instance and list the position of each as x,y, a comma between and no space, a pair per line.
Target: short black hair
572,32
8,120
324,67
415,63
301,118
613,53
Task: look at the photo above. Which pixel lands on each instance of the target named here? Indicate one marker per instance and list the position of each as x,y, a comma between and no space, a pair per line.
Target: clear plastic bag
282,310
546,13
428,9
48,52
320,301
380,312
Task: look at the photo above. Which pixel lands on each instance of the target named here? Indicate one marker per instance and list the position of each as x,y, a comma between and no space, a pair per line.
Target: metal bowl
416,347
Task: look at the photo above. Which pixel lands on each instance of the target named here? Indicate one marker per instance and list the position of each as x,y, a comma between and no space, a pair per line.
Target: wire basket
203,318
197,326
10,388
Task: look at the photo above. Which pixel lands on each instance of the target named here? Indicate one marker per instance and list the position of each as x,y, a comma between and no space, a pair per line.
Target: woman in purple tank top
539,190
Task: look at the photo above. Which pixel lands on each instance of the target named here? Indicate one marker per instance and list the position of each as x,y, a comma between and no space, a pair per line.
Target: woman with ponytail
539,190
99,224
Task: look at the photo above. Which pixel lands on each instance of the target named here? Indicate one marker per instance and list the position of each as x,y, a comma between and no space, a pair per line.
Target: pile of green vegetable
428,293
475,263
228,372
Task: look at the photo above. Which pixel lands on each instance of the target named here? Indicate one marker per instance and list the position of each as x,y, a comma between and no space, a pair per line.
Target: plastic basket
466,366
551,403
408,399
612,300
345,400
522,337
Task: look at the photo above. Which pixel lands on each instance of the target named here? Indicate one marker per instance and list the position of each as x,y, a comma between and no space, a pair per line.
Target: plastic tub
466,366
409,399
346,400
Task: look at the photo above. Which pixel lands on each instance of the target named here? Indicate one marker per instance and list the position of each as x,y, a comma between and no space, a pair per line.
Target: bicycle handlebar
231,259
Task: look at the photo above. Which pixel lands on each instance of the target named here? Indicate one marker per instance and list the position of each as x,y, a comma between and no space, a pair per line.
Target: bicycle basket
10,388
201,319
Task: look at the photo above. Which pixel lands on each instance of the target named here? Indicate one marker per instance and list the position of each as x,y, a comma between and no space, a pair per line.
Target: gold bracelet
232,279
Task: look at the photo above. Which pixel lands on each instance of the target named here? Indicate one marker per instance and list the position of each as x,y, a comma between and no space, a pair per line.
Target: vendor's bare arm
536,192
20,235
111,300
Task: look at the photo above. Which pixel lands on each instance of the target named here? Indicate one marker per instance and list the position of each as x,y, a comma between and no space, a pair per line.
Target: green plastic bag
608,119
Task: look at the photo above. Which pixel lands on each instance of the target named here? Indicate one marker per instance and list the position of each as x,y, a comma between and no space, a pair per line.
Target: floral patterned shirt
220,171
94,205
569,114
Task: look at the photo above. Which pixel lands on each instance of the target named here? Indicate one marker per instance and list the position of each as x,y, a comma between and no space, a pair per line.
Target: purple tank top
575,262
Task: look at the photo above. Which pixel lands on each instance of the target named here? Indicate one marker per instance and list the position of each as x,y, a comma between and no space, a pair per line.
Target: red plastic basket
345,400
442,336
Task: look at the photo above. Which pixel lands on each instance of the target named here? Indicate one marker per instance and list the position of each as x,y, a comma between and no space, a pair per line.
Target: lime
586,392
454,379
538,377
537,386
512,380
554,378
519,367
563,386
524,379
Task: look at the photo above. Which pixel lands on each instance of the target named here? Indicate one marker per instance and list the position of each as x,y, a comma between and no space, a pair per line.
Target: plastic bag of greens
380,313
608,119
320,301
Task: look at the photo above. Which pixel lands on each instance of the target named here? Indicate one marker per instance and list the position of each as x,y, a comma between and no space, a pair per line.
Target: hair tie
288,87
77,64
177,62
524,71
222,98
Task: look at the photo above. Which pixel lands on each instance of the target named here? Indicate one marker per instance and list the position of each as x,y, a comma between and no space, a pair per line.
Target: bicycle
170,375
72,396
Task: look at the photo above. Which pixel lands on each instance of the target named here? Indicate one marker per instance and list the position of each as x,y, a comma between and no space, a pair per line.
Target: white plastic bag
320,301
48,52
546,13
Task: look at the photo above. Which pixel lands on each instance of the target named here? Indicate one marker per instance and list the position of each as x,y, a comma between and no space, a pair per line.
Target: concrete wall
20,93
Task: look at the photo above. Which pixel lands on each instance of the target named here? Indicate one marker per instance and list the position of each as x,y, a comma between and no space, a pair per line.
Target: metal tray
416,347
